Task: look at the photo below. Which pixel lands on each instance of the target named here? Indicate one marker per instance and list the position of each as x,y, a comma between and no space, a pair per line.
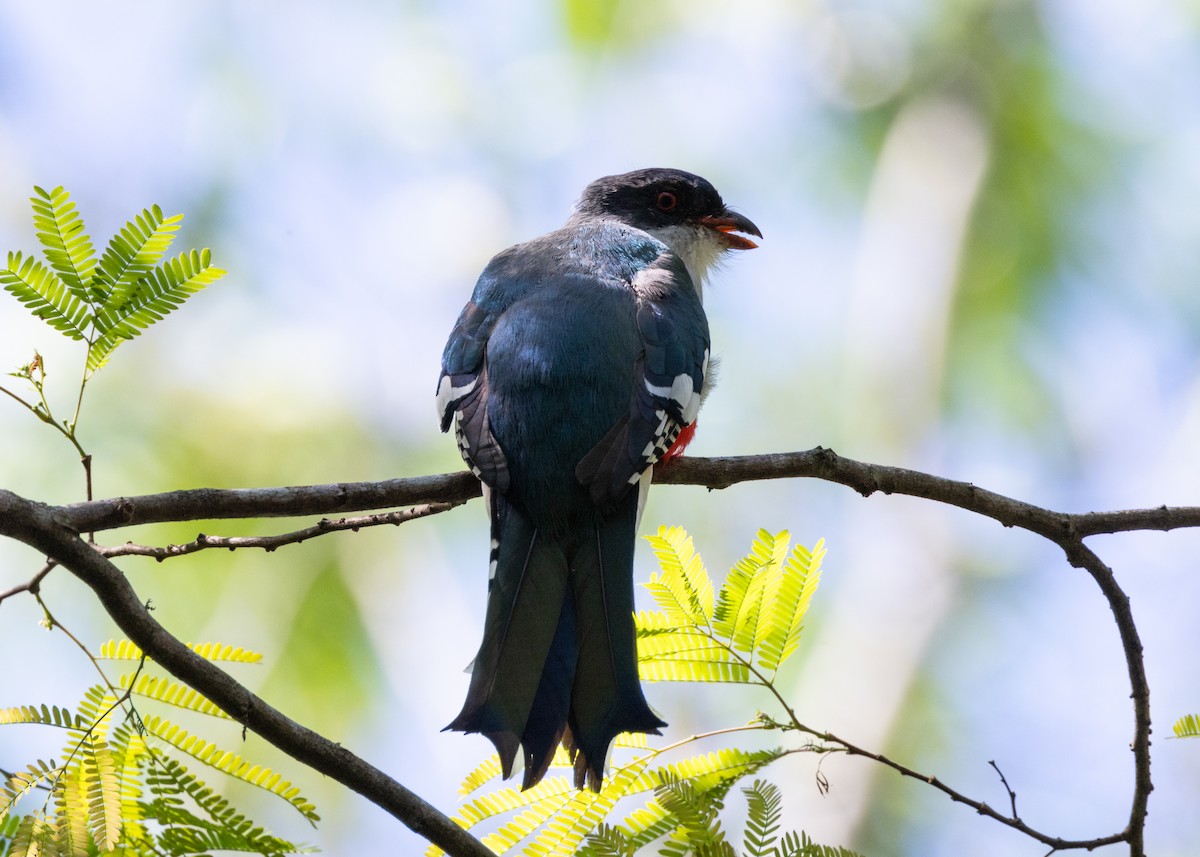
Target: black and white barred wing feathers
462,396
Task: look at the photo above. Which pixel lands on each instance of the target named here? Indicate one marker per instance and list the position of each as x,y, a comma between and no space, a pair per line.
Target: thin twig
19,399
1012,796
32,585
273,542
1058,844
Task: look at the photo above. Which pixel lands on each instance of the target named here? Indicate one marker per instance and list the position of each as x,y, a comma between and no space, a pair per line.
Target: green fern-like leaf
108,301
698,830
220,827
230,763
103,794
98,790
93,711
710,775
67,247
193,840
521,826
670,653
125,650
34,837
45,295
20,783
1187,726
134,754
566,830
786,600
481,775
642,827
132,253
161,291
8,830
683,588
608,841
489,768
120,650
86,792
799,845
44,715
759,611
558,818
764,804
71,809
720,769
226,653
740,602
544,799
172,693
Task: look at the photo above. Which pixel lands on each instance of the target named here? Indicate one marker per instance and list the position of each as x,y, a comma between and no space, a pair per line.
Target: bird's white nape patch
448,394
698,246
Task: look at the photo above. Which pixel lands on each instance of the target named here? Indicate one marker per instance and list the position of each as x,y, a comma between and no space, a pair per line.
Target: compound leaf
133,252
229,763
45,295
67,247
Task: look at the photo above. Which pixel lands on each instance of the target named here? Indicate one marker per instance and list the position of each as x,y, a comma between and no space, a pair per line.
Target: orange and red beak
728,225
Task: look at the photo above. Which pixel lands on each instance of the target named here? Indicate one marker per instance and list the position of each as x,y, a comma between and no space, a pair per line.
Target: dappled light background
981,259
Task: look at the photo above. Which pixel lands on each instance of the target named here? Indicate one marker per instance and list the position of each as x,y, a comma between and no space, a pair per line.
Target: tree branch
200,504
713,473
1067,530
43,528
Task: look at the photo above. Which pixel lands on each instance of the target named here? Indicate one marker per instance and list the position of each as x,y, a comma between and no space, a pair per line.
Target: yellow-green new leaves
755,624
683,589
125,650
1187,726
553,818
43,715
21,783
117,788
230,763
67,247
677,644
103,303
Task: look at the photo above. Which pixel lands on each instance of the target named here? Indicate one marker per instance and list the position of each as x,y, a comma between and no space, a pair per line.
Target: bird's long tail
606,697
558,661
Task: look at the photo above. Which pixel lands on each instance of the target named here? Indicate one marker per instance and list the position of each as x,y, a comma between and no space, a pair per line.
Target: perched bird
578,361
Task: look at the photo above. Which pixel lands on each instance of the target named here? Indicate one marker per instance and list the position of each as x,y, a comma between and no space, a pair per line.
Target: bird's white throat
698,246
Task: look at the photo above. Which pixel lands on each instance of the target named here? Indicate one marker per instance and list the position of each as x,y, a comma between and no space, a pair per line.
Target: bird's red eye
667,201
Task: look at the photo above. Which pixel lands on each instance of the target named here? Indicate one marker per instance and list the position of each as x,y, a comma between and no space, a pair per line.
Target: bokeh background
981,259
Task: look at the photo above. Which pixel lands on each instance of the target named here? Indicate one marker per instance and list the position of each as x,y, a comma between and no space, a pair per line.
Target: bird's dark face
680,209
656,200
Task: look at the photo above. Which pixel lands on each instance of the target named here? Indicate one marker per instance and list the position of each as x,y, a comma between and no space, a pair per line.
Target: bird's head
680,209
